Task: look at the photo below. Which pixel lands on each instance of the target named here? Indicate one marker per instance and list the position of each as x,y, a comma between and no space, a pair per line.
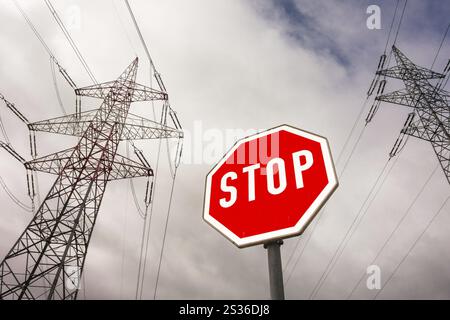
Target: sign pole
275,270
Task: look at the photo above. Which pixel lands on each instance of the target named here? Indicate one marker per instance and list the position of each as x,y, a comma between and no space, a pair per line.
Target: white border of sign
304,220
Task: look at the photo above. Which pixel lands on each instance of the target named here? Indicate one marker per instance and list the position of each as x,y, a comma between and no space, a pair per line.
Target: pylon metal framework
50,254
430,117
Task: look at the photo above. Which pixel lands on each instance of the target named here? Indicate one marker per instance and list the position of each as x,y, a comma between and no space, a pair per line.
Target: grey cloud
232,65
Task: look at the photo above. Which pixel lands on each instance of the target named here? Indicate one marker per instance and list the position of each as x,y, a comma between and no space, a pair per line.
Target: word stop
298,165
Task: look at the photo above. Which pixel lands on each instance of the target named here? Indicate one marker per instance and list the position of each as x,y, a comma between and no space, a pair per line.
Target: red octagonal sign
269,186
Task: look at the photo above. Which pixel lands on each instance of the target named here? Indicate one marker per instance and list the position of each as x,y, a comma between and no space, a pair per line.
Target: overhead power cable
392,24
443,81
166,108
306,242
2,126
138,30
400,22
131,182
347,234
363,210
5,187
124,238
440,46
124,30
323,210
360,213
373,110
347,161
46,47
33,28
350,134
13,197
321,214
341,153
433,218
401,221
161,253
55,84
70,40
142,253
149,58
143,259
148,214
397,226
140,211
147,224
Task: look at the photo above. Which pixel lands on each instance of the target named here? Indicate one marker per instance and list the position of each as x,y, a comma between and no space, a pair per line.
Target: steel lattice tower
430,118
54,244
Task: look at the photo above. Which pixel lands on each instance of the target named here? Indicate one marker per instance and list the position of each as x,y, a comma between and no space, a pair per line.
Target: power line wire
361,218
412,247
321,213
5,187
352,152
399,223
363,214
177,160
2,126
44,44
142,268
33,28
440,46
61,70
392,24
13,197
147,226
123,28
83,279
146,230
70,40
360,215
329,266
434,60
55,84
324,209
150,221
141,212
400,22
440,84
138,30
165,233
358,118
147,52
124,229
336,253
348,140
159,81
141,255
350,134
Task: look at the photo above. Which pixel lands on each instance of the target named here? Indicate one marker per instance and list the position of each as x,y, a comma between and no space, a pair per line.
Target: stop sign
269,186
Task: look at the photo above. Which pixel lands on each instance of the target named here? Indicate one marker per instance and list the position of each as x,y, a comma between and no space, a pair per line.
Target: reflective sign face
269,186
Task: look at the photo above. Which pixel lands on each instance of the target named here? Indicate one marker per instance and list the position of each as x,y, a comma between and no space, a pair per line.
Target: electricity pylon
50,254
430,117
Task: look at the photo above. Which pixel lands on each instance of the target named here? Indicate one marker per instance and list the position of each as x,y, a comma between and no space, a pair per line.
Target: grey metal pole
275,270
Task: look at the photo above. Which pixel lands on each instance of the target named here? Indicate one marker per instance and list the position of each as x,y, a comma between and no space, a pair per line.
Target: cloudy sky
231,66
